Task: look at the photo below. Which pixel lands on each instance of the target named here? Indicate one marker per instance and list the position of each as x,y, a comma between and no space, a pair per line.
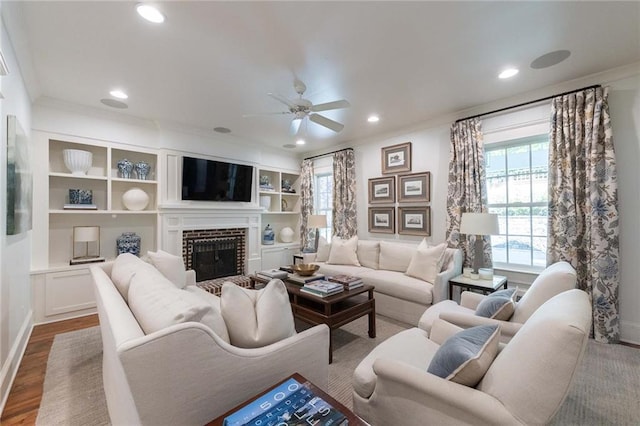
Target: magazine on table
324,286
290,403
346,280
273,273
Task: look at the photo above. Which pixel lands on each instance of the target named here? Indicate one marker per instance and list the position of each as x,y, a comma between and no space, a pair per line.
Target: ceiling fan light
150,13
373,118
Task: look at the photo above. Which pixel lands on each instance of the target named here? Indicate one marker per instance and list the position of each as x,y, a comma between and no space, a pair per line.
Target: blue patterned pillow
466,356
498,305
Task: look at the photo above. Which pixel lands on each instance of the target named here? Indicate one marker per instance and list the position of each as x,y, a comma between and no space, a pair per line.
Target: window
323,200
517,191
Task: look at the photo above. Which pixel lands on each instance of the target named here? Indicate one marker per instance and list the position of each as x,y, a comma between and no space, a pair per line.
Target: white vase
265,202
135,199
286,235
77,161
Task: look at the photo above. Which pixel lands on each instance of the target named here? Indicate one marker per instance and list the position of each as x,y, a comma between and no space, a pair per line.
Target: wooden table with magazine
293,401
334,310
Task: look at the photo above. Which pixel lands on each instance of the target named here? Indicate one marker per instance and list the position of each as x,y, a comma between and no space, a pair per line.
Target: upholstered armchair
525,384
555,279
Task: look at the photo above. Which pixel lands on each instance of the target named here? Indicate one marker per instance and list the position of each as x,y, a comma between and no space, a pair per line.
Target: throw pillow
214,320
125,267
369,253
257,318
322,255
466,356
171,266
426,262
498,305
158,304
396,256
343,252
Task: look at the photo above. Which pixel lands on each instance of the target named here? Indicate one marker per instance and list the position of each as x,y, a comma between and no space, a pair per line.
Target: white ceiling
212,62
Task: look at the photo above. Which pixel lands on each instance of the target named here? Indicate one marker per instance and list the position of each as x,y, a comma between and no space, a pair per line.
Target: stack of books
322,288
80,207
299,279
272,273
348,281
291,403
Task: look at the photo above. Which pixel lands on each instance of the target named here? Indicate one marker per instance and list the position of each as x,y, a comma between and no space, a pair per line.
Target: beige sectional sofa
185,371
384,264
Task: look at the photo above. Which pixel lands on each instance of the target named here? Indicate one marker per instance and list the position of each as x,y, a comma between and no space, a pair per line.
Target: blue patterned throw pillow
466,356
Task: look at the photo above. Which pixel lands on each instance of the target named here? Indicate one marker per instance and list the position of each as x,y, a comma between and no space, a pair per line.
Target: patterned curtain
345,223
583,202
467,191
306,199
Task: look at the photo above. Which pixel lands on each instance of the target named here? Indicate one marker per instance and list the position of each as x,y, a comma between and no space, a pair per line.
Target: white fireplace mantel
174,219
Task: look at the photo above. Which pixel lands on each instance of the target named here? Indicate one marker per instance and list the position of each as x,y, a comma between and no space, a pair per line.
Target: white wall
15,250
431,153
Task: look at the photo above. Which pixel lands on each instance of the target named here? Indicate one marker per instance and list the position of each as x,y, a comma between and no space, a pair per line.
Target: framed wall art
414,188
19,179
382,190
382,219
396,158
414,221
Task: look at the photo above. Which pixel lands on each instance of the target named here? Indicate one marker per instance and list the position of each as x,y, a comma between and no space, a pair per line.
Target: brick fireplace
215,253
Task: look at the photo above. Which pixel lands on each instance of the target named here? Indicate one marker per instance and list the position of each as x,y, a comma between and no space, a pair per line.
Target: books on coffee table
290,403
348,281
322,288
299,279
273,273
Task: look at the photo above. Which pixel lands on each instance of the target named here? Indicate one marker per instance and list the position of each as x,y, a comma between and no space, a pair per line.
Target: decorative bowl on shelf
77,161
305,269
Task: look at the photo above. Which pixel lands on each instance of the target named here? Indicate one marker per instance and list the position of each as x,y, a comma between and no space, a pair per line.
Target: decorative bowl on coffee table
305,269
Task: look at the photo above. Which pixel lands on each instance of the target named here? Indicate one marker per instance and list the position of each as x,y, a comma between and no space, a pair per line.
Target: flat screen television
208,180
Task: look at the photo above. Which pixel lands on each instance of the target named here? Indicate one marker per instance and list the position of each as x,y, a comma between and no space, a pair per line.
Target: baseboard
630,332
65,318
10,367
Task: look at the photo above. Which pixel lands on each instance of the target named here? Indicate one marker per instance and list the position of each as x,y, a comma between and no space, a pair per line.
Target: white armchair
554,280
526,383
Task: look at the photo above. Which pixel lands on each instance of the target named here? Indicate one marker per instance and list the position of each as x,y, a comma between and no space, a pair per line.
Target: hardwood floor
26,392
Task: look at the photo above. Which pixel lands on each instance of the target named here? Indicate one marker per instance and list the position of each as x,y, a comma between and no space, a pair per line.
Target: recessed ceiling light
114,104
373,119
150,13
118,94
221,130
300,142
550,59
508,73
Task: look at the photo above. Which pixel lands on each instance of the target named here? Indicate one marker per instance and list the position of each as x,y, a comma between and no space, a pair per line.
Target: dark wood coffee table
353,419
334,311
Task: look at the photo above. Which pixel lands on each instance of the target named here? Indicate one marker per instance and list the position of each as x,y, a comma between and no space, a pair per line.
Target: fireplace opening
214,253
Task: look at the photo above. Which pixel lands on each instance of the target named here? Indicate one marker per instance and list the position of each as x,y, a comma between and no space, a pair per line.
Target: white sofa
185,373
383,264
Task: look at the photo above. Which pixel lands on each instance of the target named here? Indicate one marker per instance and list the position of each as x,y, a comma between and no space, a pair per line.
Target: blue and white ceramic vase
128,242
142,170
125,167
80,196
268,236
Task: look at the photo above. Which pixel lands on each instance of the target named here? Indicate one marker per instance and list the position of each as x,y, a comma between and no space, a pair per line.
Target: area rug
606,390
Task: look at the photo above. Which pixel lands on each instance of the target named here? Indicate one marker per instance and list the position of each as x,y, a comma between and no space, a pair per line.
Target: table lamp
479,224
314,222
86,235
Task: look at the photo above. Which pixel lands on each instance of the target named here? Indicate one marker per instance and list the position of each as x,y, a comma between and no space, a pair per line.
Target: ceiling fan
303,108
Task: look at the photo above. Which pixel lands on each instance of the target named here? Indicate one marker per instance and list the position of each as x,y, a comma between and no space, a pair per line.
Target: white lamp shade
85,234
317,221
479,224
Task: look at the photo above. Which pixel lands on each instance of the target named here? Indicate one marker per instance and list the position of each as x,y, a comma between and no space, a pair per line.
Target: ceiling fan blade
282,99
331,105
262,114
296,125
326,122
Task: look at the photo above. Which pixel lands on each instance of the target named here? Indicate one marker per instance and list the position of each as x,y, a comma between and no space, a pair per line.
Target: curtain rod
328,153
527,103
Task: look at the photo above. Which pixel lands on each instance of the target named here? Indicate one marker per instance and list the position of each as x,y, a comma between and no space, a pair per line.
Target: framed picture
414,221
382,219
396,158
414,188
382,190
19,179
